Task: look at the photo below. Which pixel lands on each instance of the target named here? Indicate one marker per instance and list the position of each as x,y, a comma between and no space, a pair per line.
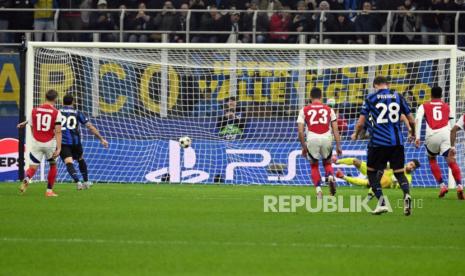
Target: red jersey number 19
44,122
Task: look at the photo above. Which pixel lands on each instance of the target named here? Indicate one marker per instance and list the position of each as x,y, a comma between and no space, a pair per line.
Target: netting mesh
460,110
238,106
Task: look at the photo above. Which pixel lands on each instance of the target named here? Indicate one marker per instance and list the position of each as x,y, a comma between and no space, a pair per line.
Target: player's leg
452,163
326,152
436,171
84,173
386,179
316,177
359,164
314,156
397,161
346,161
71,169
375,168
329,171
35,157
34,163
376,162
67,158
432,145
456,173
51,178
356,181
79,153
52,172
83,169
457,177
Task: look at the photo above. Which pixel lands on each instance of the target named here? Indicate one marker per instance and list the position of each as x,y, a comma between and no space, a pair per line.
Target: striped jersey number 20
69,123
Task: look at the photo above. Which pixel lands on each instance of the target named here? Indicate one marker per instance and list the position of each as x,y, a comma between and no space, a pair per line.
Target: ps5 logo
175,167
240,163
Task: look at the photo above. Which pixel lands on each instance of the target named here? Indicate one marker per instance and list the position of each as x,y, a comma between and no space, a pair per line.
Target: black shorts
74,151
379,156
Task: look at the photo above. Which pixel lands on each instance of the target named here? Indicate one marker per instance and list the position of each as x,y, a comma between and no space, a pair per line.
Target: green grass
201,229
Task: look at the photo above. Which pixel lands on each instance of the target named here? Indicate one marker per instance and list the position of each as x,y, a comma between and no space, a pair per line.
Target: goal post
238,103
453,102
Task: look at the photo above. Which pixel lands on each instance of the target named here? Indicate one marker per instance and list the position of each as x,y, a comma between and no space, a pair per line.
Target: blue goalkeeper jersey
70,120
383,110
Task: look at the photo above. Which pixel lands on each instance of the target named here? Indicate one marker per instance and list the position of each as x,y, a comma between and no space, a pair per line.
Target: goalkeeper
387,181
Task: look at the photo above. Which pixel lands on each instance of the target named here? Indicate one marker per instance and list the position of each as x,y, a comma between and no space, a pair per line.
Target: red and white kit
437,115
42,121
318,118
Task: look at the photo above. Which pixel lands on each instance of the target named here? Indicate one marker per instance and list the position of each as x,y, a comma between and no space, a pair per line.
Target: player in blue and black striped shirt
383,110
71,148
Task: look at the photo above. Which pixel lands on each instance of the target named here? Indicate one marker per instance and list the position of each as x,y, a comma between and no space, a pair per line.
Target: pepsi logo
8,155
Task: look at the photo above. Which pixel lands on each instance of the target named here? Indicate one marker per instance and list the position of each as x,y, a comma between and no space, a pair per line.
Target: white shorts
41,150
320,147
437,143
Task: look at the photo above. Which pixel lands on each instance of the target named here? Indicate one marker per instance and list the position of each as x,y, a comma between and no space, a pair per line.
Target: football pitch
115,229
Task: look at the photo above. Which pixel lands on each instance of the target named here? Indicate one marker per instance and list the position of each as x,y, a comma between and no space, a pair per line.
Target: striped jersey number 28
388,113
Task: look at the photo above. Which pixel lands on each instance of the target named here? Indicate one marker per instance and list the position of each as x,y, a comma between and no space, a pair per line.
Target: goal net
238,104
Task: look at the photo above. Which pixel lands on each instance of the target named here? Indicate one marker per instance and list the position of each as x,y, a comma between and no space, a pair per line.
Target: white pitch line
232,243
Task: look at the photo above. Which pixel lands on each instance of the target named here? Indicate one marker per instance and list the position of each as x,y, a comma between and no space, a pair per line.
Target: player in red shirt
452,153
320,120
45,122
437,138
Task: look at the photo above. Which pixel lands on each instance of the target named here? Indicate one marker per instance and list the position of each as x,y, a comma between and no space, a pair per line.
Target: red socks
30,172
433,163
328,169
437,171
52,174
456,172
316,178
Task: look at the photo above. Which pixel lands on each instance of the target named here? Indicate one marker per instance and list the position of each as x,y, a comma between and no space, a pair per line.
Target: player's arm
301,129
27,122
359,127
411,121
335,129
406,122
405,109
453,135
97,134
404,119
58,138
21,125
418,122
337,137
361,120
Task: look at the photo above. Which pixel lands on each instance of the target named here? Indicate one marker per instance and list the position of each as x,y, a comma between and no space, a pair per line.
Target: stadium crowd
271,25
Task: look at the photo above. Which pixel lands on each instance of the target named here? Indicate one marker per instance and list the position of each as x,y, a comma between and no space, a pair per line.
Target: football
185,141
